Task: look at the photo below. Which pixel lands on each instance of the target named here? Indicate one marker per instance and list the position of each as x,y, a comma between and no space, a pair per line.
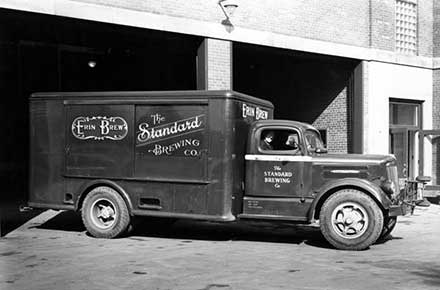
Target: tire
351,220
105,213
388,226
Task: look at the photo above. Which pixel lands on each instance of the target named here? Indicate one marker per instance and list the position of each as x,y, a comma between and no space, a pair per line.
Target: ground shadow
242,230
69,221
389,238
11,218
434,199
202,230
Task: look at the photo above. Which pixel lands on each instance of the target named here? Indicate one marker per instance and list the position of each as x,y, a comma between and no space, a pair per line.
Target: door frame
422,135
407,129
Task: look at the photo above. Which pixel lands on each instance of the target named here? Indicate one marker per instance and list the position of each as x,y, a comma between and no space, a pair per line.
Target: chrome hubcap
349,220
103,213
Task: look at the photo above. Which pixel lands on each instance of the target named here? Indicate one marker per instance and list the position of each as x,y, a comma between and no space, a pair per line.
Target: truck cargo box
178,153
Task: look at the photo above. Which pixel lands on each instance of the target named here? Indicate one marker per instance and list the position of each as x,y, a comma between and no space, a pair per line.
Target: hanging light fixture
228,7
91,63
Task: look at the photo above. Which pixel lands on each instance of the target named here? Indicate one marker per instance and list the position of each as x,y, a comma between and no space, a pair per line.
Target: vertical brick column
436,29
382,17
435,125
334,118
436,95
214,65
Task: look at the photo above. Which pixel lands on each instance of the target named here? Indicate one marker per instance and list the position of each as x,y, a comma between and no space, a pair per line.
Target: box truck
207,155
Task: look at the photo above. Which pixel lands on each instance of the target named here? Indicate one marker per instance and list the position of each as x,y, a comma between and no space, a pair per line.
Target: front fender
370,188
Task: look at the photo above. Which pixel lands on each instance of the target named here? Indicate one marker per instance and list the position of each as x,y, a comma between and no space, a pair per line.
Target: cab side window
280,140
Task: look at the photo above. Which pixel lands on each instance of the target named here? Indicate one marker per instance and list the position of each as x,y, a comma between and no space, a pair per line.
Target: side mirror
321,150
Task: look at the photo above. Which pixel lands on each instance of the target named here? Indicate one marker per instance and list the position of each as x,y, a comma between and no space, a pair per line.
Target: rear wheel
351,220
104,213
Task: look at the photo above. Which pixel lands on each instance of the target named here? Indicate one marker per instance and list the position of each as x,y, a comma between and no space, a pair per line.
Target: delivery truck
206,155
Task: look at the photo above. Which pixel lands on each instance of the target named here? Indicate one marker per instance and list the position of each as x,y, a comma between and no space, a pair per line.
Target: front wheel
104,213
351,220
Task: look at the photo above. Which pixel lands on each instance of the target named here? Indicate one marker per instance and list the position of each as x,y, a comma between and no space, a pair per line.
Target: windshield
313,141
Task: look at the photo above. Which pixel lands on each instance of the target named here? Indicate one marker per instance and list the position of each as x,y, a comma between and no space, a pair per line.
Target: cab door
275,174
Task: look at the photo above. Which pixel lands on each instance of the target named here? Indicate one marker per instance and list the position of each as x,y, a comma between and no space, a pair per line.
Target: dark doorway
303,86
50,53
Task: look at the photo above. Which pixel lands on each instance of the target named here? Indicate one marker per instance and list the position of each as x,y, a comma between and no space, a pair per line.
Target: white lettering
248,111
261,114
157,119
79,126
277,177
99,128
169,149
104,127
148,134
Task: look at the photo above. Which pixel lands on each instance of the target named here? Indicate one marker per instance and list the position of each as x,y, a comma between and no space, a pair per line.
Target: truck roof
276,122
136,95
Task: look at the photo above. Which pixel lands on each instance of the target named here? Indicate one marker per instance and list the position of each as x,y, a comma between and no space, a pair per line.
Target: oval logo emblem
99,128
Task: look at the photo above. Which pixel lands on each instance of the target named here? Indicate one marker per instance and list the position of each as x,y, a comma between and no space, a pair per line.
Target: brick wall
436,29
342,21
382,24
335,120
436,125
219,64
425,29
315,19
436,94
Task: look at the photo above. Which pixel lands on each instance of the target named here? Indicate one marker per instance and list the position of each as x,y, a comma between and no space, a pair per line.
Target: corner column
214,65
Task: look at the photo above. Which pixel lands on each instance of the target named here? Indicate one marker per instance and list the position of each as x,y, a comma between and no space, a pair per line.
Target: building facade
366,73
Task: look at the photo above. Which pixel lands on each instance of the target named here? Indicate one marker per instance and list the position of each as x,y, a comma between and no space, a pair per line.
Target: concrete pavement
53,251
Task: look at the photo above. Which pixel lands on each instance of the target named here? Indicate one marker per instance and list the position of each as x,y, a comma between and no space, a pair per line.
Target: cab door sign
277,176
99,128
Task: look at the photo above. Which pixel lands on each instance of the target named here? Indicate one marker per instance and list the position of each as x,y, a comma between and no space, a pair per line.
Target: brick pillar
436,29
435,125
334,119
359,91
382,15
214,65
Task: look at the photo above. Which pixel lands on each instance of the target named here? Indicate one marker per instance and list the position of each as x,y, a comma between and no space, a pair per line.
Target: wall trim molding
116,15
436,63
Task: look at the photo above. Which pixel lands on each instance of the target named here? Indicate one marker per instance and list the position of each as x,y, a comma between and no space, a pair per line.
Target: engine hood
353,158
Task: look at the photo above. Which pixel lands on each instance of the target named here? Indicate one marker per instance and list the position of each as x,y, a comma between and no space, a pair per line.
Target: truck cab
290,176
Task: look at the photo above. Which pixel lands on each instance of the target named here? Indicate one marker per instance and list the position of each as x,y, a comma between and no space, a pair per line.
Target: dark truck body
196,154
195,173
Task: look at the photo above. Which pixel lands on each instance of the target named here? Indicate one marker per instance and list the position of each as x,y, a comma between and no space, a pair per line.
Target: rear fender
85,189
333,186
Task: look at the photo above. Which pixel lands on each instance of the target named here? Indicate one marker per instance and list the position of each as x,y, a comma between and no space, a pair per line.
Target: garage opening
312,88
50,53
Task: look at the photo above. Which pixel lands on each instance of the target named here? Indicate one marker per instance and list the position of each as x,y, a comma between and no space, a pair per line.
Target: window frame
418,104
280,152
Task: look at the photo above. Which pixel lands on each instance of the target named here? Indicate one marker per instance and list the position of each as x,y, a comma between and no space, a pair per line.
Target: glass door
403,145
399,147
405,124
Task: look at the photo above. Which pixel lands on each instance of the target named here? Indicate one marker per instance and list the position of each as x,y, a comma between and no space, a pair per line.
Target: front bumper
406,200
401,209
